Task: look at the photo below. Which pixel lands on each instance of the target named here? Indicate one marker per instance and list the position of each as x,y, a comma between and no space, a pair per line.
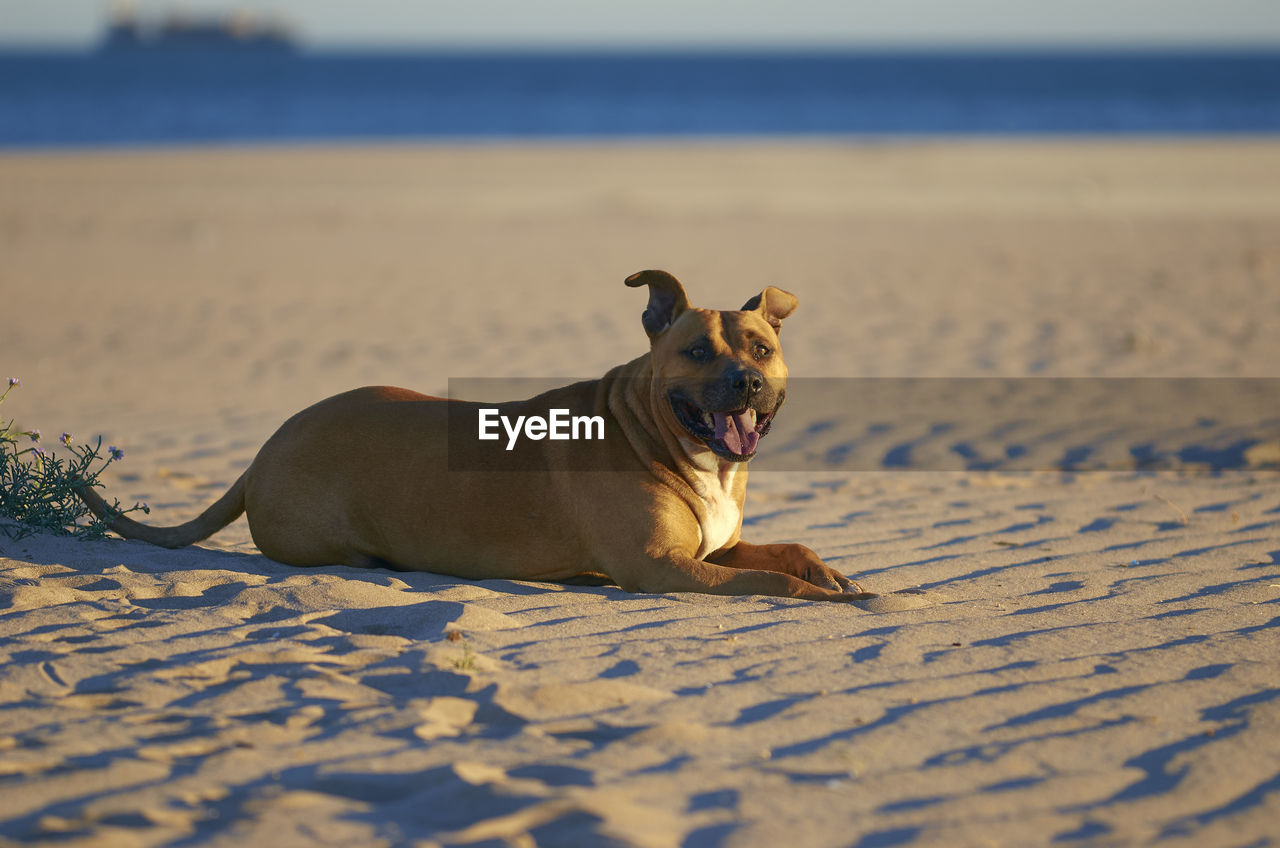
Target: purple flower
35,435
115,452
14,381
40,452
65,439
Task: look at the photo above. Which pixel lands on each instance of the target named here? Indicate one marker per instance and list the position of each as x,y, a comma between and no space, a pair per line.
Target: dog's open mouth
732,434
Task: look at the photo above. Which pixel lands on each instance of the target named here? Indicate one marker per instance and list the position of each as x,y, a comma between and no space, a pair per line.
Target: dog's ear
666,300
773,304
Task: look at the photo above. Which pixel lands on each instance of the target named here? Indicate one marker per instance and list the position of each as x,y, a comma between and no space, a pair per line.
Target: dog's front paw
808,566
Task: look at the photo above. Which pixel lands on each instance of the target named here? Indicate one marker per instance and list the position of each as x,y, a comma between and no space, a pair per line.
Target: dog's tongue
737,431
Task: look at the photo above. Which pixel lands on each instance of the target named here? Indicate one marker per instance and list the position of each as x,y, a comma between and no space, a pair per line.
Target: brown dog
387,477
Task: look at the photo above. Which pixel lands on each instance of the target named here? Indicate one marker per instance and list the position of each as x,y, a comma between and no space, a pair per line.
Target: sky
703,23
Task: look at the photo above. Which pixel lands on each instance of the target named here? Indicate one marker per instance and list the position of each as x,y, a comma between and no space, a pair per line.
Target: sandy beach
1086,658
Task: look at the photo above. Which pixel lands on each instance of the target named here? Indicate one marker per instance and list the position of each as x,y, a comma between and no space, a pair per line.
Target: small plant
467,661
37,487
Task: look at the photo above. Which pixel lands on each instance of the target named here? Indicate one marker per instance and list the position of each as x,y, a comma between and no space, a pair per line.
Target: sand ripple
1058,659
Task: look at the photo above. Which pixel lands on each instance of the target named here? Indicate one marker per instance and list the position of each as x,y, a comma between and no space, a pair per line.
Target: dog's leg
796,560
682,573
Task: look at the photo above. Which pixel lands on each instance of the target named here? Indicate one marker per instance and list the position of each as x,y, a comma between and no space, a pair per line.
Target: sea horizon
228,95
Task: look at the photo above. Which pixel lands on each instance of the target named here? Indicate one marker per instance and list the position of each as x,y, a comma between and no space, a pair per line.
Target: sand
1082,658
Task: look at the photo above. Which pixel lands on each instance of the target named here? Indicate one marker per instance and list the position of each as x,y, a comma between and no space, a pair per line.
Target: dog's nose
749,381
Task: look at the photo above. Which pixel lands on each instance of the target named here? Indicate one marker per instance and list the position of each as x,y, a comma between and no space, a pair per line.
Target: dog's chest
721,513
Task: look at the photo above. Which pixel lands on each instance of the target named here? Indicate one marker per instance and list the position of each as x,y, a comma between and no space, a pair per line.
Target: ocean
227,96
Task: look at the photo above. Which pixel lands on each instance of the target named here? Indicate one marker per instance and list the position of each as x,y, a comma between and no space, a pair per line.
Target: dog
387,477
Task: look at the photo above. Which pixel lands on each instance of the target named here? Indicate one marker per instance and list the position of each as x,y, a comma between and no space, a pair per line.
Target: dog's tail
225,510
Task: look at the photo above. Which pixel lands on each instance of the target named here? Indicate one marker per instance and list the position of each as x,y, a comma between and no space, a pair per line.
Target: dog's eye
698,352
761,350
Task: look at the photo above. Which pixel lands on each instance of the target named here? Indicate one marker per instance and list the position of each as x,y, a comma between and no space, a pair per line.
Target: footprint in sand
565,700
445,716
423,620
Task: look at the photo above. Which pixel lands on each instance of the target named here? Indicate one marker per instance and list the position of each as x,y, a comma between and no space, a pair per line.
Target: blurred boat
178,31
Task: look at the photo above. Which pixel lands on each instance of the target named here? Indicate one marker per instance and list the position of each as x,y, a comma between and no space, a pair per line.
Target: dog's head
719,374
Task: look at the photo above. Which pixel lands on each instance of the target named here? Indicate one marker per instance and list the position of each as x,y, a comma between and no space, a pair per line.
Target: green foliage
467,661
37,487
